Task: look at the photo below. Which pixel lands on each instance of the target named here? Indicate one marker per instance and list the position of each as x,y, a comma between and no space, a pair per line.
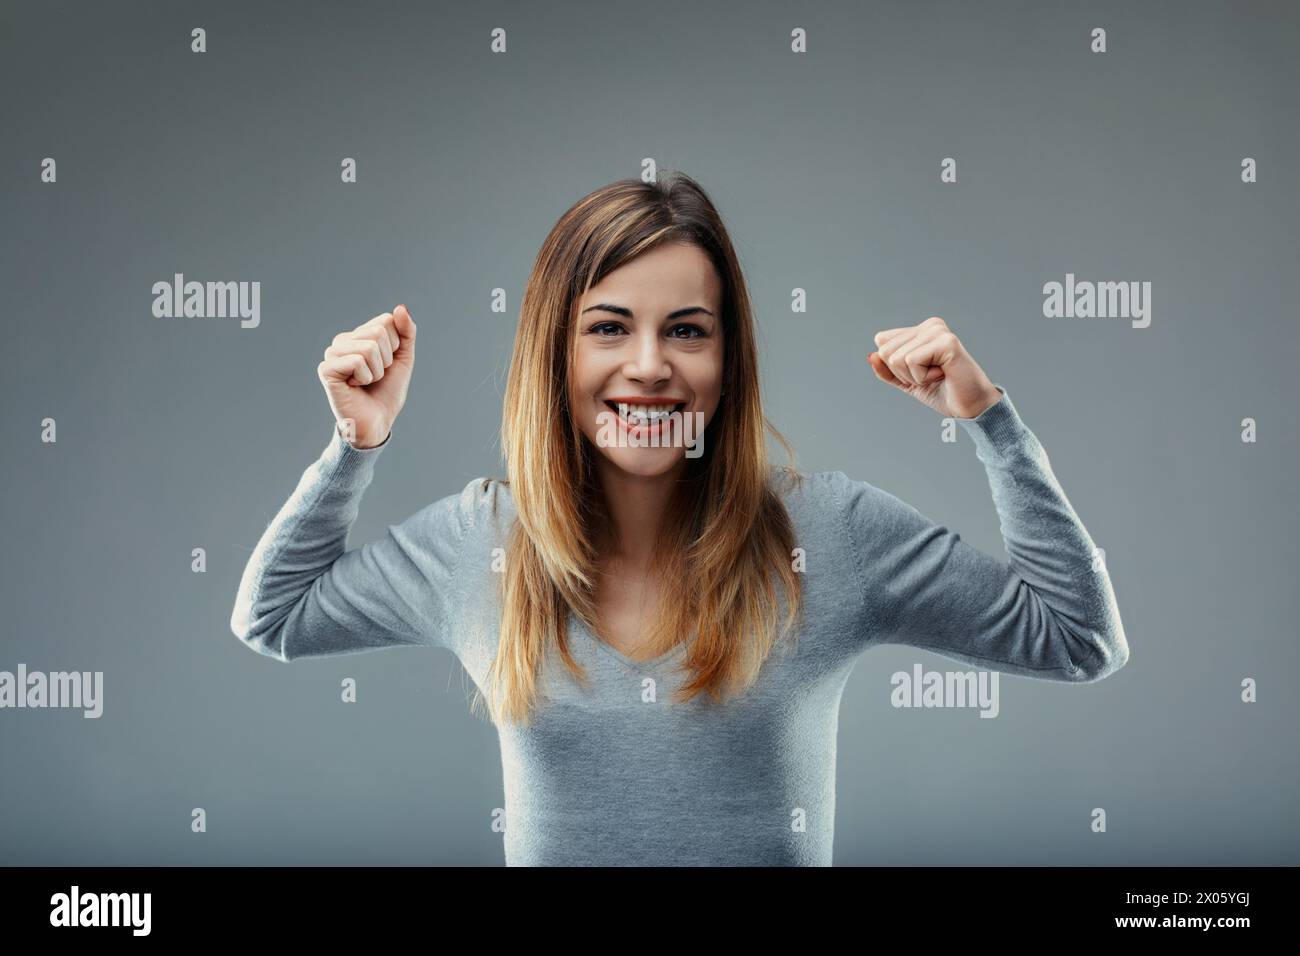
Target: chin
644,462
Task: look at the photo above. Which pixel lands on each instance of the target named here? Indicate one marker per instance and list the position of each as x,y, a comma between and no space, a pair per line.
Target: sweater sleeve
303,595
1048,613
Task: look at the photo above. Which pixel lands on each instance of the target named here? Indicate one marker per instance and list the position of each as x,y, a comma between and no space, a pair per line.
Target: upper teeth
645,411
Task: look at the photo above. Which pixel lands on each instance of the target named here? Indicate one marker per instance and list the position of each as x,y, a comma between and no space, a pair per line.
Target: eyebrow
627,313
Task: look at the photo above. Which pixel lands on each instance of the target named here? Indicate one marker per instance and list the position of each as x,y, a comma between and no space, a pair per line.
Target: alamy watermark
74,689
946,689
102,909
1098,300
644,426
208,300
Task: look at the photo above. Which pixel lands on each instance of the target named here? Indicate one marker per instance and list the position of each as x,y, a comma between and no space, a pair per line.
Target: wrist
993,396
362,441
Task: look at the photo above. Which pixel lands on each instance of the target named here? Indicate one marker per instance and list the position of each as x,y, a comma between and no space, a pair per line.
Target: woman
661,623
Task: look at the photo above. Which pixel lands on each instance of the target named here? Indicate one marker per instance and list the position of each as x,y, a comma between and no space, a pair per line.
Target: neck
636,506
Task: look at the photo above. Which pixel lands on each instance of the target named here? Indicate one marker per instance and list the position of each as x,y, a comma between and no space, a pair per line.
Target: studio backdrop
1095,197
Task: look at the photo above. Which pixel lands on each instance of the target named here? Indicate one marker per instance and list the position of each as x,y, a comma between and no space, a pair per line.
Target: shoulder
485,495
814,500
479,508
831,501
799,488
485,503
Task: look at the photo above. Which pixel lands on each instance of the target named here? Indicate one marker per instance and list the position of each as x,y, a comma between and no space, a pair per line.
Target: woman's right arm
302,593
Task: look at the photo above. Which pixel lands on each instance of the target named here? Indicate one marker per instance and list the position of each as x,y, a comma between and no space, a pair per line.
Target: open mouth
644,414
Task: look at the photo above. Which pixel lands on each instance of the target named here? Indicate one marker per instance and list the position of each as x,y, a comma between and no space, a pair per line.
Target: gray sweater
621,774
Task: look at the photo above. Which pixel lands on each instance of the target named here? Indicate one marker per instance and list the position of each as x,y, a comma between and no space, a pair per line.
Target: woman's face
649,336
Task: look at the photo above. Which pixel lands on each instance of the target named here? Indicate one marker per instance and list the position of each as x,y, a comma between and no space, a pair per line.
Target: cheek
586,367
713,376
705,372
580,410
584,381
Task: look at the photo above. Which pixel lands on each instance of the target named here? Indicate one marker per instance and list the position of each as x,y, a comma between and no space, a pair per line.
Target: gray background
175,434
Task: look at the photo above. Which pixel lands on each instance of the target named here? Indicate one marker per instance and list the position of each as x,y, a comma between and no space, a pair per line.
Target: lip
643,430
645,399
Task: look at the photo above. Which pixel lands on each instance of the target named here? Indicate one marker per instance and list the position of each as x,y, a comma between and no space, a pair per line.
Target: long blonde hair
726,535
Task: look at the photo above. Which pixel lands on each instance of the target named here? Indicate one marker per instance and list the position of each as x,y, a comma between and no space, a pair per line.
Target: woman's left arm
1050,612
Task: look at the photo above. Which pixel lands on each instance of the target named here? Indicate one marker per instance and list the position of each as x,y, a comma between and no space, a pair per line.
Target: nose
647,364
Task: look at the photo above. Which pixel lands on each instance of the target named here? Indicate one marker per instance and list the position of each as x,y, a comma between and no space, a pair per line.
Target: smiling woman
637,298
639,367
664,648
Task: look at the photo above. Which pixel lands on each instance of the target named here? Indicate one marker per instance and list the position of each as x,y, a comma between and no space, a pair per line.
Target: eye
604,325
691,326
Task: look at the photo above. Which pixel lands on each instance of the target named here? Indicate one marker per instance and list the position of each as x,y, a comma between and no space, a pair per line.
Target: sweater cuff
348,464
998,428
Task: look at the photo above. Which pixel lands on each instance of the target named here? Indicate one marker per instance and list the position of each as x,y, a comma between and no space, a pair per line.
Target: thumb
406,330
932,375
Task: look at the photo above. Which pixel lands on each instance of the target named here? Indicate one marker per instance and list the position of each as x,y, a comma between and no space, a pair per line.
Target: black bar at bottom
637,905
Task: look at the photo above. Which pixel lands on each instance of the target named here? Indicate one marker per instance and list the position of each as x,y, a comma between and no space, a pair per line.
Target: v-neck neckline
577,624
